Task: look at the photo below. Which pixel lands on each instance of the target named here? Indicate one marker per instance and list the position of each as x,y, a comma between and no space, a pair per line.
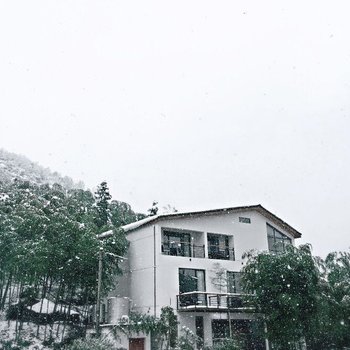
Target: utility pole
99,284
154,273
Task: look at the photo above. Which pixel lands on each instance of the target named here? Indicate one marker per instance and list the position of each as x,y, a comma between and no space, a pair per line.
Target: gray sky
200,104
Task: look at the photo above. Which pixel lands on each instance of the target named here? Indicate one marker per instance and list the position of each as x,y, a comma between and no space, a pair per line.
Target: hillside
14,166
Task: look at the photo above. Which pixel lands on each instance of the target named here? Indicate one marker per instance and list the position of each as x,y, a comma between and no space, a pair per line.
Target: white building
191,262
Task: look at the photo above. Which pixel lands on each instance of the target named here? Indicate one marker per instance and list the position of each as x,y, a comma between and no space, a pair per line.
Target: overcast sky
199,104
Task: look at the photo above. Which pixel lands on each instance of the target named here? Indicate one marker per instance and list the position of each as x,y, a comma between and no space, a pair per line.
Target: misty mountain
14,166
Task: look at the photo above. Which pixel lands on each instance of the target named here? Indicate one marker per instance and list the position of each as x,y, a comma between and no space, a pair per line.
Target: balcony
183,249
203,301
220,247
215,252
187,243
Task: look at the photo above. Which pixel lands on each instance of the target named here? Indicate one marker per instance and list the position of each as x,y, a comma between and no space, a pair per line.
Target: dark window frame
184,238
244,220
277,241
195,275
191,297
235,277
180,242
228,248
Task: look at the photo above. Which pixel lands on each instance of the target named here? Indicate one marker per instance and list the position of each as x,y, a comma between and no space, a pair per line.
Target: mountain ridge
16,166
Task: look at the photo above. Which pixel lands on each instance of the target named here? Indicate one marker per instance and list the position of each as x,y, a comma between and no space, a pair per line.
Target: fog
197,104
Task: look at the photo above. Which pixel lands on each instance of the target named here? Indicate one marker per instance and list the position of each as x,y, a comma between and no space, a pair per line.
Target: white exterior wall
145,249
141,265
245,236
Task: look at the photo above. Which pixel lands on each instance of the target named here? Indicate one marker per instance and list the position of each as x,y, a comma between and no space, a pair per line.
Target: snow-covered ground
28,333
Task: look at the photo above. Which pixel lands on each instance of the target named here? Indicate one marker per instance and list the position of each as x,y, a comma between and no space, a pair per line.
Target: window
218,247
200,331
176,243
234,282
220,330
191,280
244,220
277,241
250,333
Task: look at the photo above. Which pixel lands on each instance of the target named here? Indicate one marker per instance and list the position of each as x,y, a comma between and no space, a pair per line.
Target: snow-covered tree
122,214
154,209
103,197
49,242
285,289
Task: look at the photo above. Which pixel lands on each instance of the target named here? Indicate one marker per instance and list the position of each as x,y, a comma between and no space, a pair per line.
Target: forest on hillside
49,244
49,256
18,167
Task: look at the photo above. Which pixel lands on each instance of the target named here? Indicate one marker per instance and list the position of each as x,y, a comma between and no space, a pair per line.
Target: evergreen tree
122,214
154,209
49,243
102,197
331,328
302,297
286,287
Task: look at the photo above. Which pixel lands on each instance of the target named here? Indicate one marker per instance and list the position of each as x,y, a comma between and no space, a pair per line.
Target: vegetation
49,245
91,344
227,344
331,328
162,329
154,209
49,248
14,166
301,297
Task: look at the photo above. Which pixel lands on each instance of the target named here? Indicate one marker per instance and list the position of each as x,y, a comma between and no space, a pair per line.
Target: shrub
91,344
14,345
227,344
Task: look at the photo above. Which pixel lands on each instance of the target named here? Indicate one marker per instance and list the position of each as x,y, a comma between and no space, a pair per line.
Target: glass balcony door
191,280
218,247
176,243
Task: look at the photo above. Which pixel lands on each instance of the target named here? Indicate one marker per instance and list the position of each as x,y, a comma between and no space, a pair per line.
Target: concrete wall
137,281
144,284
141,264
245,236
121,340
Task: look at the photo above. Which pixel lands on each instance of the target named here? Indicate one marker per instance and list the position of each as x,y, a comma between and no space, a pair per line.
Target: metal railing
215,252
183,249
215,301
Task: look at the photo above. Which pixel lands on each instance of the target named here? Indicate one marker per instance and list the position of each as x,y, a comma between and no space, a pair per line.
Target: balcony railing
183,249
210,301
215,252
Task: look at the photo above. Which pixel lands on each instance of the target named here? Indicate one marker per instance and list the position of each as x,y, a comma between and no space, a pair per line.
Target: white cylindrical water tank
117,307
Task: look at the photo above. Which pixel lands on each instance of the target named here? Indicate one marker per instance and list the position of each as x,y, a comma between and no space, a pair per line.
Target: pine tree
102,197
122,214
154,209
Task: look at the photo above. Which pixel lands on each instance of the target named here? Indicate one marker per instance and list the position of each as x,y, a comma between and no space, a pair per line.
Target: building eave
258,208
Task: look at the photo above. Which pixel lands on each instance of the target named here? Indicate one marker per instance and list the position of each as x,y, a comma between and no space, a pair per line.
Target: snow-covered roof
259,208
46,306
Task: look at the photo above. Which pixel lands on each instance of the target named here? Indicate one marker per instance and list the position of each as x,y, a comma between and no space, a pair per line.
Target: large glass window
176,243
191,280
234,282
234,286
277,241
219,248
250,333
